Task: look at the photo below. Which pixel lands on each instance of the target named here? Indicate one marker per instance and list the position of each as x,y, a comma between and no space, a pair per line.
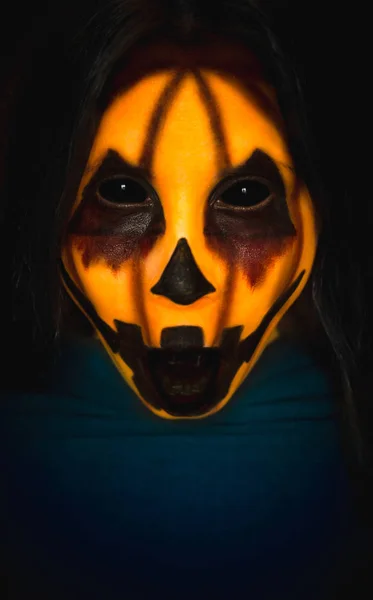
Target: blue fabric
106,500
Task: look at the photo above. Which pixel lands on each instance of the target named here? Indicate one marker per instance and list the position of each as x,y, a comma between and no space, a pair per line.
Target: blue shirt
105,500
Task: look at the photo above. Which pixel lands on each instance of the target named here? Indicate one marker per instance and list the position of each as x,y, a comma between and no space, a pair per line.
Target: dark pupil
122,191
246,193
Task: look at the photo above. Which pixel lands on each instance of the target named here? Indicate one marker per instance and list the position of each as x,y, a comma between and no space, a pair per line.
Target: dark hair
54,114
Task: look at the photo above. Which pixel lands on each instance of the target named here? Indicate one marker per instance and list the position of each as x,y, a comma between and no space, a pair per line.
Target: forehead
205,103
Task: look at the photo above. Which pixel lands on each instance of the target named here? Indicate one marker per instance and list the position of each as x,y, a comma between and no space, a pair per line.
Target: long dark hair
59,80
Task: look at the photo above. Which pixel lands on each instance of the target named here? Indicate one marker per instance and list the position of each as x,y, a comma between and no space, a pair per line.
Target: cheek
113,250
110,235
110,292
254,257
252,239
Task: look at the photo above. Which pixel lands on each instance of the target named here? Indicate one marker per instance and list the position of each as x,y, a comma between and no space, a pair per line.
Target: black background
330,45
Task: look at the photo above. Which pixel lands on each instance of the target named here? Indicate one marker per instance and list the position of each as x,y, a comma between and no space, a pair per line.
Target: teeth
178,388
182,387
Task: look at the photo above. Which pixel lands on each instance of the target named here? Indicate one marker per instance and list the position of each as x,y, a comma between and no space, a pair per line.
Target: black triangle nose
182,281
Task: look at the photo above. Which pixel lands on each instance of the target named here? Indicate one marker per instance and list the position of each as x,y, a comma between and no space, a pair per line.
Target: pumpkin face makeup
191,235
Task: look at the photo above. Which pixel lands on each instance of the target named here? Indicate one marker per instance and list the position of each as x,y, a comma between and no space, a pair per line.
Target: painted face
190,236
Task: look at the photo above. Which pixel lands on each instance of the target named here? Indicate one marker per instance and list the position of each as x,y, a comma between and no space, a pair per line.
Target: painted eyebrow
259,164
212,108
113,164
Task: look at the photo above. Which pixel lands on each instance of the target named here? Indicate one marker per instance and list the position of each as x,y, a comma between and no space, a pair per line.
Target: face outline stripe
158,116
295,192
146,161
249,345
212,109
228,293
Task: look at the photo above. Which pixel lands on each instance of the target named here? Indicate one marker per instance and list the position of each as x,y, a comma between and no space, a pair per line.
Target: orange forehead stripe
144,110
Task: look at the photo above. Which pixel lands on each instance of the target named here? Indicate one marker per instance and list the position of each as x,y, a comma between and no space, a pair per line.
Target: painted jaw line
181,378
190,237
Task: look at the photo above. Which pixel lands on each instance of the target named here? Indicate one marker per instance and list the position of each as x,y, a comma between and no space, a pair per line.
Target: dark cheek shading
250,239
256,257
114,234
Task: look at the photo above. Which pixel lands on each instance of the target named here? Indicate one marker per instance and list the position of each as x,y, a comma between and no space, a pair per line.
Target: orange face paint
190,236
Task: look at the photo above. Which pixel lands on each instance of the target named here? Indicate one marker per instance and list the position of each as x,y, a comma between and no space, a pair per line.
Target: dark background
329,43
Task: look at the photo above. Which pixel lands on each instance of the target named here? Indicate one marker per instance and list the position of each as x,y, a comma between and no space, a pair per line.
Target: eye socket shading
245,193
122,190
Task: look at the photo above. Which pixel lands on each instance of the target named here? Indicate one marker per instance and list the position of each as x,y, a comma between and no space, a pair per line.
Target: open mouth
185,380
